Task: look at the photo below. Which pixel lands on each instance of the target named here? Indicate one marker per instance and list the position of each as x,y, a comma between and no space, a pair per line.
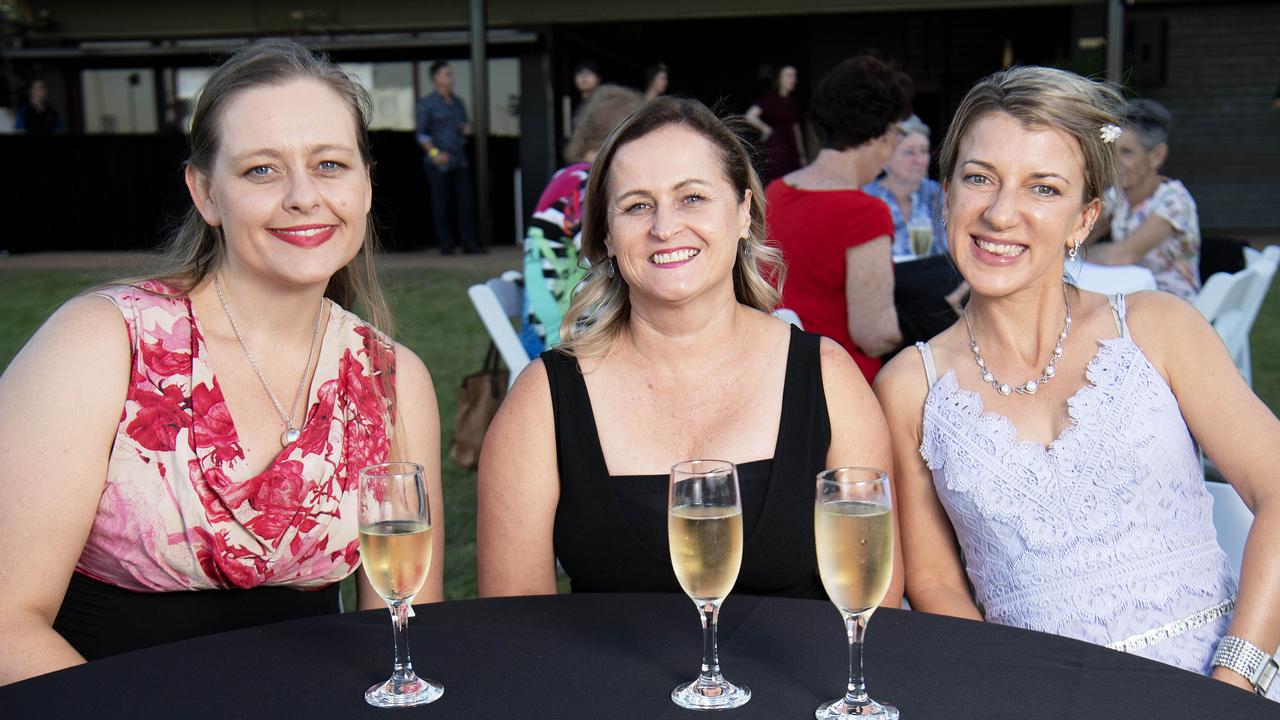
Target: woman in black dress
669,353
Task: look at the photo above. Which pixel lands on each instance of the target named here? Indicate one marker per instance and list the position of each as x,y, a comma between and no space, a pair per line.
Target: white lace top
1106,533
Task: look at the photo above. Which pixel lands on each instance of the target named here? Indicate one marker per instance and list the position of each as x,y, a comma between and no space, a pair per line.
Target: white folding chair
1112,279
789,315
1265,263
1270,252
1231,519
1227,301
497,301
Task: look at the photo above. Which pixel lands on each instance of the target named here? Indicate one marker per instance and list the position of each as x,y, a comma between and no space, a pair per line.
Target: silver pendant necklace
291,433
1030,386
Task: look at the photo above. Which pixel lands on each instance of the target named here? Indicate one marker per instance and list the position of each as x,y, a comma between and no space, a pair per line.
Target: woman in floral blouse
1153,218
180,452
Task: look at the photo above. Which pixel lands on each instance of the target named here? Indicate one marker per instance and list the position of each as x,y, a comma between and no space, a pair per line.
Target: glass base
869,709
406,693
719,694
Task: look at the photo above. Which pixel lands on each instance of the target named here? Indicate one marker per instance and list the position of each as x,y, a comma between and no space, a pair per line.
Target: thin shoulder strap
1118,314
926,354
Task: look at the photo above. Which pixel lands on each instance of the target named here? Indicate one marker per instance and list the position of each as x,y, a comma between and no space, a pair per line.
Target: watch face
1268,674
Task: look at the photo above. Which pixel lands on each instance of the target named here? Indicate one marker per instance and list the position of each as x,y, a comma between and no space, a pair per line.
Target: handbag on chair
478,399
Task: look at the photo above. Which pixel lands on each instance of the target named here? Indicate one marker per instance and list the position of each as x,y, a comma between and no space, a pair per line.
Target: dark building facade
1215,64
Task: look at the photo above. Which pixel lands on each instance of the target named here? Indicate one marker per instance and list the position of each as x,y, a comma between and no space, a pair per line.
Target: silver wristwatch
1249,660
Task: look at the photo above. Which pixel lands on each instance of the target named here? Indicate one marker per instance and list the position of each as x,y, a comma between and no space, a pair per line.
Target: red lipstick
304,236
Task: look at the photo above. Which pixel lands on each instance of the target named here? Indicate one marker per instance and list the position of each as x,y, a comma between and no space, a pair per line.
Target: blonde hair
1049,98
608,106
195,249
601,305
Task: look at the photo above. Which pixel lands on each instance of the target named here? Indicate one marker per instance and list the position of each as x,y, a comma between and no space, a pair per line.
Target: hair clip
1109,133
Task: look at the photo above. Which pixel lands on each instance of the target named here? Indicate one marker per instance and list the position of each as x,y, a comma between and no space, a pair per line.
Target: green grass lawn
436,320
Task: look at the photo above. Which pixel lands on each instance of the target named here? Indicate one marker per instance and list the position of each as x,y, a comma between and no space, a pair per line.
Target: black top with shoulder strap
611,532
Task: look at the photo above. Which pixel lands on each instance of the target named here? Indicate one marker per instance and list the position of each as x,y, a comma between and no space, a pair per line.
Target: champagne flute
920,232
704,529
853,531
395,547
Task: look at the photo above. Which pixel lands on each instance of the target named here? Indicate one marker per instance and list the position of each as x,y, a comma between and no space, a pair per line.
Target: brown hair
196,249
1050,98
609,105
601,307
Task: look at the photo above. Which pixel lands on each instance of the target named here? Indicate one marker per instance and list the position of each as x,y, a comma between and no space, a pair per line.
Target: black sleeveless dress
611,531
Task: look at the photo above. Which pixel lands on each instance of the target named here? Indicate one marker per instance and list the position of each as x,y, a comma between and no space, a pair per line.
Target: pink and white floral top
1175,261
181,511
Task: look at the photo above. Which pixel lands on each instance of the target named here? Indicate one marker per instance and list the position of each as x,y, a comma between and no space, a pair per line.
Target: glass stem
400,627
710,612
856,626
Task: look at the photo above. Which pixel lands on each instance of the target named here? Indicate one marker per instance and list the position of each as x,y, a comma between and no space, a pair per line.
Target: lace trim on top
1105,532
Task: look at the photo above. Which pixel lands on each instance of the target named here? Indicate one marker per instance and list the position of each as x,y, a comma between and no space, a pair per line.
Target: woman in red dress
836,239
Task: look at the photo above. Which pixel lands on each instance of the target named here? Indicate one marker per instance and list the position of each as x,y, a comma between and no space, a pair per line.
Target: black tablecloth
619,656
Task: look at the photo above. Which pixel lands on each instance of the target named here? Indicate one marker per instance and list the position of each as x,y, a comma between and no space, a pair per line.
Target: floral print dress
1175,261
181,511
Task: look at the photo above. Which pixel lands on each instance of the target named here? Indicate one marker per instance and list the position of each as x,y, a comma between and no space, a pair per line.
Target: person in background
443,132
552,264
778,117
835,238
669,353
1046,445
927,289
181,452
1153,218
914,200
656,80
37,117
586,78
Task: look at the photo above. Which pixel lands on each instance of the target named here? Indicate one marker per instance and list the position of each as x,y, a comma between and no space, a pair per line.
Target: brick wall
1221,75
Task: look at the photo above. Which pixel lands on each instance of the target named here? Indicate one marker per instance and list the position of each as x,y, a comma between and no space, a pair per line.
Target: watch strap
1247,659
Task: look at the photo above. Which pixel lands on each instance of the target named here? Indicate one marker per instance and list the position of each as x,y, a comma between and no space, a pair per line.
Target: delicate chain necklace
291,433
1030,386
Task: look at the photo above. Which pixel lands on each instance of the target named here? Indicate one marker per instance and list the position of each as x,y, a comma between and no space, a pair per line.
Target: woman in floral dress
1153,219
181,451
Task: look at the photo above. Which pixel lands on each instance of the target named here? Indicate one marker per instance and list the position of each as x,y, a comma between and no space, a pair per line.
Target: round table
619,656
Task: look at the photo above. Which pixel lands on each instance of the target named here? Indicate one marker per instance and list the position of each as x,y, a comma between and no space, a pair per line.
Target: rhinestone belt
1175,628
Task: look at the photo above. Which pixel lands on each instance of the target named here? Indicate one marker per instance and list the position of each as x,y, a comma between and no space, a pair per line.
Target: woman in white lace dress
1044,459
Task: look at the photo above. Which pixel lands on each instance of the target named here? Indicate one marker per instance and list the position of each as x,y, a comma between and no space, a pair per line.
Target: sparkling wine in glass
920,233
704,529
395,549
853,531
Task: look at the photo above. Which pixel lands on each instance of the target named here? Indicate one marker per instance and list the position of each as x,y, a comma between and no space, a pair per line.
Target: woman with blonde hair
669,354
1045,445
181,452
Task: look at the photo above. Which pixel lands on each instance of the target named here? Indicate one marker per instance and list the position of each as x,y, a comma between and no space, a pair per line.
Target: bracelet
433,152
1251,661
